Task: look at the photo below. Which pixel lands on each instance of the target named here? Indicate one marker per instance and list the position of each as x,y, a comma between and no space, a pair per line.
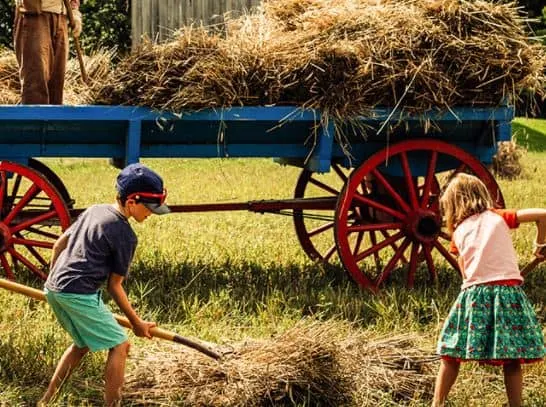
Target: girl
492,321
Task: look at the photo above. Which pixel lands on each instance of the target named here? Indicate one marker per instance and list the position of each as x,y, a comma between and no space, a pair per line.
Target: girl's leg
69,361
447,375
115,370
513,380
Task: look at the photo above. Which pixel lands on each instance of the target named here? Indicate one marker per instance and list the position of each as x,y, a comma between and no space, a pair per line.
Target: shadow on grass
173,290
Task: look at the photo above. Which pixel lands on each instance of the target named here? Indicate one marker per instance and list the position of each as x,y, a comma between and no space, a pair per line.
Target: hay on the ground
507,161
313,364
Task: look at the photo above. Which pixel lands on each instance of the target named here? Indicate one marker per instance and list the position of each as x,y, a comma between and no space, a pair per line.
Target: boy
99,248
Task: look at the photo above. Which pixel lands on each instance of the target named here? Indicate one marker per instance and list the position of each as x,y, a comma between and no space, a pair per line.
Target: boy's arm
58,247
538,216
116,290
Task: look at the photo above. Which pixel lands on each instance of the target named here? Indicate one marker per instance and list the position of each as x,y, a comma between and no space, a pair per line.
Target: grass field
224,277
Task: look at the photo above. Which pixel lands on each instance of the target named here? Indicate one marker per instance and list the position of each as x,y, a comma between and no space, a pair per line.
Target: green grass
228,276
530,133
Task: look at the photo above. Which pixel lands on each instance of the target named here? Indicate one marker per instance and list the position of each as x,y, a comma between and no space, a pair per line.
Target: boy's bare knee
79,351
123,347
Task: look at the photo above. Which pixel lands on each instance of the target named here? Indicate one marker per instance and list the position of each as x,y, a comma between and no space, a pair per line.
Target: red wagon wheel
315,230
405,207
33,215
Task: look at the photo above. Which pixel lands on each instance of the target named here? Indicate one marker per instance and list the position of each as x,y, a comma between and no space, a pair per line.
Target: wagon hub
423,226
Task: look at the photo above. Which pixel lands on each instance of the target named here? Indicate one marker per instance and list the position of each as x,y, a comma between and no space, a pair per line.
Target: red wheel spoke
330,252
37,255
339,172
374,226
447,255
33,221
392,263
321,229
3,189
31,193
27,263
394,246
445,236
6,266
429,179
43,233
430,263
459,169
391,190
30,242
413,264
379,246
409,180
15,189
373,238
323,186
358,242
377,205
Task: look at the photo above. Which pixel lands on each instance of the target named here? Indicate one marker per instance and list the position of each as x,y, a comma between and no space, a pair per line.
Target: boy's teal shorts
88,321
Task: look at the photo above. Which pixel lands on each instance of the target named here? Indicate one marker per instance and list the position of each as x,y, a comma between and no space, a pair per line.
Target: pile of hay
98,66
311,364
341,56
507,161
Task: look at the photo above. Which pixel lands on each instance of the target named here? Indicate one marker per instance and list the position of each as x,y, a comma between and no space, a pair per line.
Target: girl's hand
142,328
540,252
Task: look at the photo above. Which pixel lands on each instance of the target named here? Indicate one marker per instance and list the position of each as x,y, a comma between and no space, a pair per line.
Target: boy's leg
513,380
115,371
69,361
449,369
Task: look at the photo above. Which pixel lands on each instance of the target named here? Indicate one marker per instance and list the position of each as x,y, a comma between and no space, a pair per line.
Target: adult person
41,47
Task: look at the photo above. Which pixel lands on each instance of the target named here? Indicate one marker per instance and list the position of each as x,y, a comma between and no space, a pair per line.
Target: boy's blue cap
137,178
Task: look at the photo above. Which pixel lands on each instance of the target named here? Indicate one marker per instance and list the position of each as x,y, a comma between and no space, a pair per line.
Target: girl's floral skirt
493,324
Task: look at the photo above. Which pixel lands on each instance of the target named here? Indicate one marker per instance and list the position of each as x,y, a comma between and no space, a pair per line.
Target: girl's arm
116,290
58,247
538,216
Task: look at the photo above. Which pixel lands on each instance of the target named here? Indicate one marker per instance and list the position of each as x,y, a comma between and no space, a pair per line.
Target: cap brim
156,208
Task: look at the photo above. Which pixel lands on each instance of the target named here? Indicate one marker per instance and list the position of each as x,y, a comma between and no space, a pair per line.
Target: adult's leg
69,361
34,55
513,380
60,57
115,371
449,369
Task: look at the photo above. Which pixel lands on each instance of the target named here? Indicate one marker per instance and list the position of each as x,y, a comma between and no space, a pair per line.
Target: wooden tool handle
531,266
70,16
156,332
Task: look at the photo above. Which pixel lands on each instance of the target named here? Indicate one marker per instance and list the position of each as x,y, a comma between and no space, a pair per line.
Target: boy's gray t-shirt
100,242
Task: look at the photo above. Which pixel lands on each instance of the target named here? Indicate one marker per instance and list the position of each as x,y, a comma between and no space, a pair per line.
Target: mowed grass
227,276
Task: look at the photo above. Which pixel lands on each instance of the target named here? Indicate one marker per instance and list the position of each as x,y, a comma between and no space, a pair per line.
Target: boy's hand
540,253
142,328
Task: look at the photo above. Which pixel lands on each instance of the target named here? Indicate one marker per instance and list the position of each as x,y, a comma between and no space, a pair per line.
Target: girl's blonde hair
464,196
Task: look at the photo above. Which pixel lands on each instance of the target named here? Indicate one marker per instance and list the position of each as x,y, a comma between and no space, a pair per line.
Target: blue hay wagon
377,209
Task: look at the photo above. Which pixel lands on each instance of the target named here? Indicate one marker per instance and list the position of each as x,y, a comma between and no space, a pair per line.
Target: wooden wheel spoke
27,263
32,243
16,185
3,189
379,206
29,195
429,179
377,259
6,266
376,248
430,263
394,246
339,172
321,229
358,242
413,264
323,186
34,221
447,255
409,180
330,252
387,185
375,226
43,233
392,263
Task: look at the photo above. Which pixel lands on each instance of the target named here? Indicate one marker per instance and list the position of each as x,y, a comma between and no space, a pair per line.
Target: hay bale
344,57
98,66
506,162
310,364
